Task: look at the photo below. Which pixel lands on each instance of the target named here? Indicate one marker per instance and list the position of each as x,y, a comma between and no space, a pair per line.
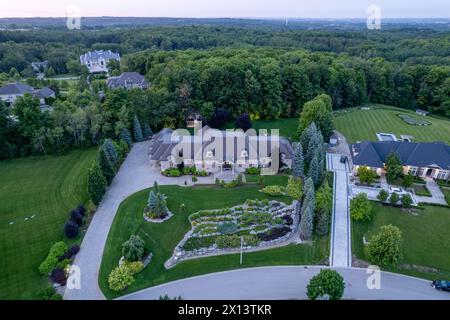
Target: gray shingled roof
162,146
97,54
16,88
45,92
127,79
421,154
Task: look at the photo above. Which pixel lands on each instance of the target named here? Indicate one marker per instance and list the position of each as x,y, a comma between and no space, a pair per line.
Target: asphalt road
281,283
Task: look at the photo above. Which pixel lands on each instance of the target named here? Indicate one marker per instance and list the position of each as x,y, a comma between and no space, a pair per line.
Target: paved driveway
281,283
340,255
135,174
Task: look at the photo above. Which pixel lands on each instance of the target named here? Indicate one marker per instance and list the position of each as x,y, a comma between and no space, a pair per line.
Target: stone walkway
437,197
340,251
135,174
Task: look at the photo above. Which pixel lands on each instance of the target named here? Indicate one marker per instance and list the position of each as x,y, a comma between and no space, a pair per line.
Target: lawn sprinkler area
257,224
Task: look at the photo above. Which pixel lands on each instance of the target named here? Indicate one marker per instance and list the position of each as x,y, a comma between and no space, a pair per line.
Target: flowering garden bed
259,223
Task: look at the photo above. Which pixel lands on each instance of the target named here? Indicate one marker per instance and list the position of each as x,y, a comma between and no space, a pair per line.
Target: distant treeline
59,45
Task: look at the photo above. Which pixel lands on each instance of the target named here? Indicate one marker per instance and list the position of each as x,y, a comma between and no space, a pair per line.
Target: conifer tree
105,166
111,152
126,136
137,130
306,225
298,164
147,131
96,183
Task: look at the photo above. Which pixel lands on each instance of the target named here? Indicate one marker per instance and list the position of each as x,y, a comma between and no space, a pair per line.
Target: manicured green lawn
287,126
359,125
161,239
421,190
268,180
426,239
446,192
47,187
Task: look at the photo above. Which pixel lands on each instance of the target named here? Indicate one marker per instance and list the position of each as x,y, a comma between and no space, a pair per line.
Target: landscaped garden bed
255,224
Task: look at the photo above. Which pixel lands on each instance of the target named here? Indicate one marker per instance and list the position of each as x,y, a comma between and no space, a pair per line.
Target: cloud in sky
228,8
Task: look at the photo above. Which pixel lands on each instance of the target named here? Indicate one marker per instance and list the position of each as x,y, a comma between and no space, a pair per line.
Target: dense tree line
261,74
269,83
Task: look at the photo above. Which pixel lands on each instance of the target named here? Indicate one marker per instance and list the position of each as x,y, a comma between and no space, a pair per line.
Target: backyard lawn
426,239
359,125
287,126
36,195
161,239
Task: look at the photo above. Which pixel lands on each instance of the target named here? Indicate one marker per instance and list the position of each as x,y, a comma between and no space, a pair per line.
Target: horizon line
224,17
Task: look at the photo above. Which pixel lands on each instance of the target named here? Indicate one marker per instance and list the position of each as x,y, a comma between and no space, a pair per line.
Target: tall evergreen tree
137,130
306,225
147,131
111,152
105,166
156,205
314,170
156,187
126,136
307,134
298,164
313,147
96,183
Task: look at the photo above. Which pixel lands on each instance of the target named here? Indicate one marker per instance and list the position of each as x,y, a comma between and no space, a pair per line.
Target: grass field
359,125
426,240
287,126
161,239
46,188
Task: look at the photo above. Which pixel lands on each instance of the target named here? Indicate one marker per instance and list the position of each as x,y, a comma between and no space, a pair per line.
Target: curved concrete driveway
282,283
134,175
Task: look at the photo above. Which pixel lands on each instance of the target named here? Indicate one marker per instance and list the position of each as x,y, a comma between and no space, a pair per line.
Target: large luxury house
97,61
424,160
238,150
11,91
127,80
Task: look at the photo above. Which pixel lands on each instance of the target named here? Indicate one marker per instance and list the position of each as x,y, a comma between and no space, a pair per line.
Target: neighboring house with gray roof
97,61
421,159
213,150
11,91
39,66
127,80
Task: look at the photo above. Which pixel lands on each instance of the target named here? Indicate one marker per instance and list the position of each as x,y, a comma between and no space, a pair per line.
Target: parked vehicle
441,285
396,189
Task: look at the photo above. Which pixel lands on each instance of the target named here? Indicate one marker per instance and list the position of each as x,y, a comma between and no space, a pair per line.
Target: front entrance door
429,172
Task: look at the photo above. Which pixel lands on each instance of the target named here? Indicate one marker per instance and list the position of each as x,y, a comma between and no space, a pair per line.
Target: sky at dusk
227,8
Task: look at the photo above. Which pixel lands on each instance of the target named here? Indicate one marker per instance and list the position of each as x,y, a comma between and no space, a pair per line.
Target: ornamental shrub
327,283
120,278
133,249
52,259
273,191
71,229
133,267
